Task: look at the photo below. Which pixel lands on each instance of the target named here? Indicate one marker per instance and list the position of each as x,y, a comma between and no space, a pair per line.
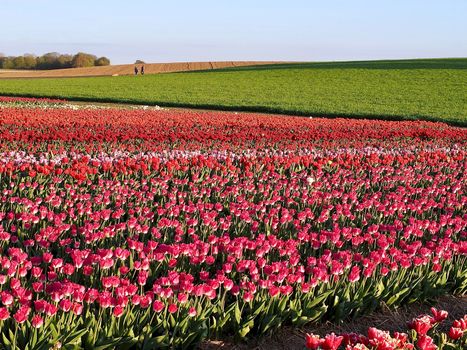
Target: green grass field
429,89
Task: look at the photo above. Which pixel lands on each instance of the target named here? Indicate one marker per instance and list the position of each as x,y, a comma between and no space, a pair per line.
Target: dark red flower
425,342
331,342
455,333
313,341
439,315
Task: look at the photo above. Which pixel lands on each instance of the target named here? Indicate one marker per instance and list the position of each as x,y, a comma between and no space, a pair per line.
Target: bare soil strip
126,69
289,338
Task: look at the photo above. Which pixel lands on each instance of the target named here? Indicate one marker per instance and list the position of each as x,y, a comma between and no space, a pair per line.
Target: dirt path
126,69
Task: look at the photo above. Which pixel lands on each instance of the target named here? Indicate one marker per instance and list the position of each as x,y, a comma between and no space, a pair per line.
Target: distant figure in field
136,70
142,70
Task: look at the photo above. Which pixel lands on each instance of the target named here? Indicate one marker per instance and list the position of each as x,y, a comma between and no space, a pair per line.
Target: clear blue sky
183,30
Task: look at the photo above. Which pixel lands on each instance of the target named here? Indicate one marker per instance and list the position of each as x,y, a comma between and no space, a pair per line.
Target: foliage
102,61
82,59
51,60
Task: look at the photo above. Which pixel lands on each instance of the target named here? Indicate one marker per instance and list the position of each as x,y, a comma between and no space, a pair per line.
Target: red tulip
421,324
455,333
439,315
22,314
331,342
118,311
37,321
77,309
192,312
65,305
158,306
426,343
354,274
4,313
172,308
313,341
7,298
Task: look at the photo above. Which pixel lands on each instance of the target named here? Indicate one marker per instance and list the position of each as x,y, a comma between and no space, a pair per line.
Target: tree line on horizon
52,60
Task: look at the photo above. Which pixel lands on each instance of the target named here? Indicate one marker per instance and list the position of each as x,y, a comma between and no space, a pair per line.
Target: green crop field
429,89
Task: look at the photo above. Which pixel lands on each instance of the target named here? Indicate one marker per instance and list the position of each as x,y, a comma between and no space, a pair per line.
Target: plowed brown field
125,69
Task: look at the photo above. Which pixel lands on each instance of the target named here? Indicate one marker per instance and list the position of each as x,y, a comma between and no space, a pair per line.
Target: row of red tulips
158,130
29,101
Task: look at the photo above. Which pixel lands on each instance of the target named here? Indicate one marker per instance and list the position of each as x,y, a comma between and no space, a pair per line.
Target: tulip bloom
439,315
421,325
22,314
426,343
158,306
4,313
313,341
455,333
172,308
118,311
331,342
37,321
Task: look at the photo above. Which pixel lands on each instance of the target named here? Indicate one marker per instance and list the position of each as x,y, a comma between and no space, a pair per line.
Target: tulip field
139,228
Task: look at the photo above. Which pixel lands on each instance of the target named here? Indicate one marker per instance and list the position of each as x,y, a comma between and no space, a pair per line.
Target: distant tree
18,62
51,60
65,61
48,61
140,62
102,61
82,59
2,59
40,62
7,63
30,61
